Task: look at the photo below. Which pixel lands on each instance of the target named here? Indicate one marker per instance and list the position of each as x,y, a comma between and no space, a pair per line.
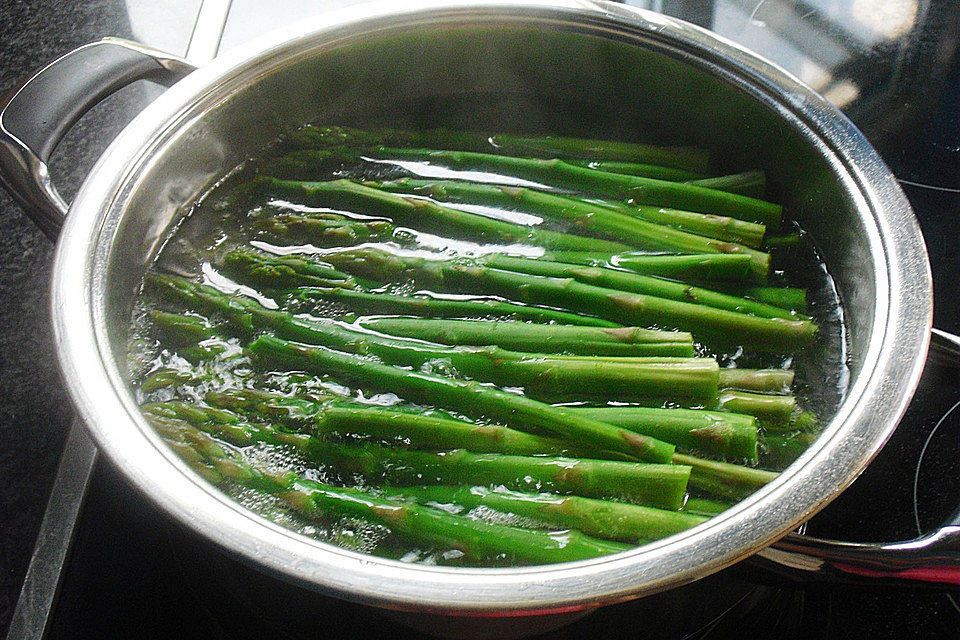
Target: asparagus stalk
748,183
772,409
765,380
689,159
269,272
792,298
706,507
164,378
182,329
723,228
778,450
418,211
603,219
328,229
613,377
476,539
431,306
722,479
700,266
468,397
555,172
657,484
785,241
543,338
712,432
440,433
599,518
638,169
324,419
717,324
634,283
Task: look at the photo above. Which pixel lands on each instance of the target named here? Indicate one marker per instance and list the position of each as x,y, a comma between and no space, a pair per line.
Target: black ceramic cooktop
892,65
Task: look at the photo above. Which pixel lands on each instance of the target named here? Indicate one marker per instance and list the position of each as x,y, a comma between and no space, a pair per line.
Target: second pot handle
36,114
932,560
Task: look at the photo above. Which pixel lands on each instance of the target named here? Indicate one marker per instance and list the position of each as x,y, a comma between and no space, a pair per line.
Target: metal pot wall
567,67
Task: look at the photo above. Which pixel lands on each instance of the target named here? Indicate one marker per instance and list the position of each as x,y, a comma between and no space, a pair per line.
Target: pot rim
867,416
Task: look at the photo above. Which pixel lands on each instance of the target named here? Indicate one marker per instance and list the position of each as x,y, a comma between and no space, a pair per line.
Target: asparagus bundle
418,211
605,219
557,173
548,325
332,419
632,282
661,485
468,397
688,159
708,431
433,306
717,324
476,539
616,376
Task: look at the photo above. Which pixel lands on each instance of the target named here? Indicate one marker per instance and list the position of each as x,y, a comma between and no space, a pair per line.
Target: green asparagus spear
722,479
792,298
765,380
785,241
748,183
271,272
708,431
468,397
723,228
603,219
542,338
772,409
634,283
419,430
706,507
555,172
700,266
610,376
638,169
419,212
476,539
719,325
686,158
182,329
328,230
779,450
599,518
435,306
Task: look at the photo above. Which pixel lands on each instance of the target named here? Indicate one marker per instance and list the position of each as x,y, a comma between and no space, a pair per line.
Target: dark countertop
907,100
34,408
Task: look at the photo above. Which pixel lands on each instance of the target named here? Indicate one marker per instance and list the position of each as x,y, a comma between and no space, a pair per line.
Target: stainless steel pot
561,66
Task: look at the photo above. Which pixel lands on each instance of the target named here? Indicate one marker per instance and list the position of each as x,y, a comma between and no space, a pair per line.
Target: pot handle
932,560
36,114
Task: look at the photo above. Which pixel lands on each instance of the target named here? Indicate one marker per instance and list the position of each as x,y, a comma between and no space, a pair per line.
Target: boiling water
216,225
